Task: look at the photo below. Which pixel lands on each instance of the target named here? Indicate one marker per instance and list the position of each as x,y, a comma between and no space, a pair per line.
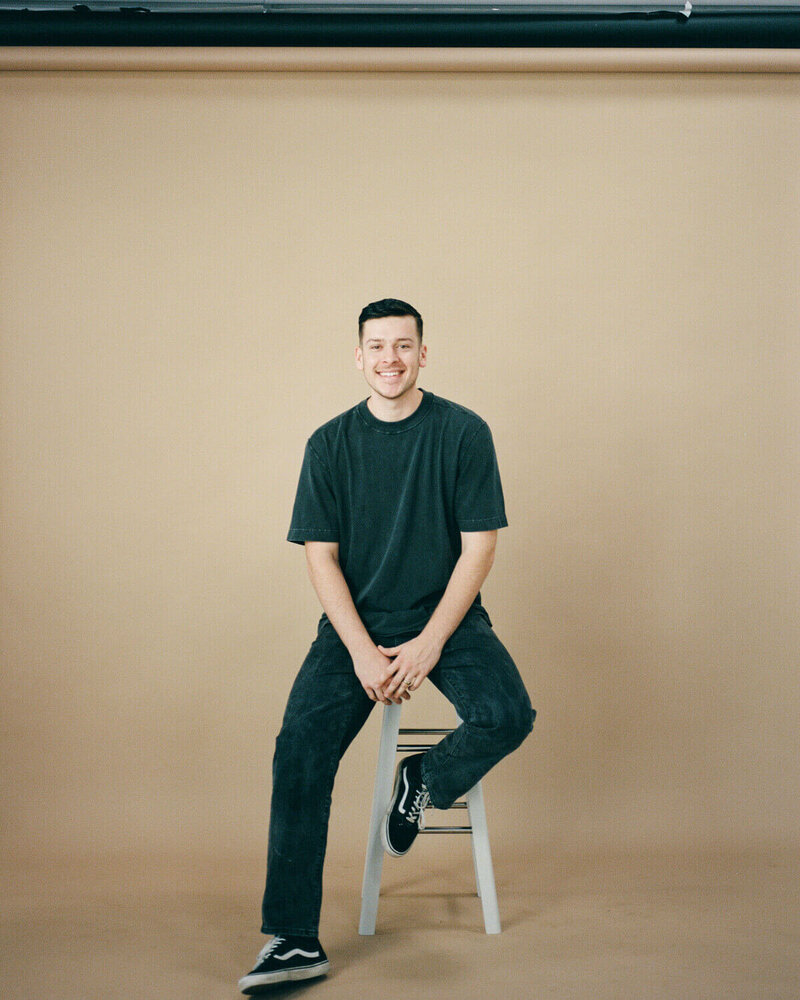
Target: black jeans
327,707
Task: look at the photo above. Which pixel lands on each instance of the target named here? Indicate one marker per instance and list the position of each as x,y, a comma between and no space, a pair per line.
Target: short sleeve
314,517
479,502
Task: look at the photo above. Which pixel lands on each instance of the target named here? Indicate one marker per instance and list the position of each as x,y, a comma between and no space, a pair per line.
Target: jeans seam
455,743
315,869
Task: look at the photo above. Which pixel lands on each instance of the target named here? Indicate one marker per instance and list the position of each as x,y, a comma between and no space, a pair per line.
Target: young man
398,506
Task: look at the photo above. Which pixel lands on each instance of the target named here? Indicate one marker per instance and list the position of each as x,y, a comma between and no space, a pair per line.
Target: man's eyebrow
380,340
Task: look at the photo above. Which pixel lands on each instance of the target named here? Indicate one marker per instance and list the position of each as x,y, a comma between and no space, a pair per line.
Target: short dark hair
388,307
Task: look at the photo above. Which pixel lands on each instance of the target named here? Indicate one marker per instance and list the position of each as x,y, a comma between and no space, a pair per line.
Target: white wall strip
281,59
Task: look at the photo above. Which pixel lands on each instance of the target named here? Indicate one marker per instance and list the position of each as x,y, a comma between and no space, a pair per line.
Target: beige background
607,268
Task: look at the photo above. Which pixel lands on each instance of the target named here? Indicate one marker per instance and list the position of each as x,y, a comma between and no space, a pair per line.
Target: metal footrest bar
446,829
419,732
418,747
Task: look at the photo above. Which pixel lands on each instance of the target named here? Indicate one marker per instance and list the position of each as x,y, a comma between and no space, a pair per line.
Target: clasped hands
391,674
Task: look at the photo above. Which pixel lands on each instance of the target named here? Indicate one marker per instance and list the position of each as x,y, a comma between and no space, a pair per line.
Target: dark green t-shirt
395,495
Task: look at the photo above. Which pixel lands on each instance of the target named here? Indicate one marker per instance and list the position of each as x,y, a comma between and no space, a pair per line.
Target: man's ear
359,358
423,355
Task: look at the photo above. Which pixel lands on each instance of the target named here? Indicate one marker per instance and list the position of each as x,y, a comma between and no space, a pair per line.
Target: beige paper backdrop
608,271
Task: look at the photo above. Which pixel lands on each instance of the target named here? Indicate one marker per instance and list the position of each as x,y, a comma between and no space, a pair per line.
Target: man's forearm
337,601
372,667
466,580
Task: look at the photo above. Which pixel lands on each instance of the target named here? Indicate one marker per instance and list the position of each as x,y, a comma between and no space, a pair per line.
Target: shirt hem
312,535
482,524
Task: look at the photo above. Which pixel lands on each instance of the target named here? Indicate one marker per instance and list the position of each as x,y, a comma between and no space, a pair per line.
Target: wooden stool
477,827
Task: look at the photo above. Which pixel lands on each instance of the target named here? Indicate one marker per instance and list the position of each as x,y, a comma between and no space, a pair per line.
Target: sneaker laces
269,947
416,814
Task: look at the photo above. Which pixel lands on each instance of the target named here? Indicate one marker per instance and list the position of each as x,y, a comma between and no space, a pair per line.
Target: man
398,506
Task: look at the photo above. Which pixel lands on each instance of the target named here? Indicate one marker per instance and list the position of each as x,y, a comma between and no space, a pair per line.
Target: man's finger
397,666
397,681
390,650
400,687
404,691
386,689
389,694
375,694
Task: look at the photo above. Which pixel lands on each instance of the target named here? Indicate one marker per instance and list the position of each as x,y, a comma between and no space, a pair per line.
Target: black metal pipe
138,27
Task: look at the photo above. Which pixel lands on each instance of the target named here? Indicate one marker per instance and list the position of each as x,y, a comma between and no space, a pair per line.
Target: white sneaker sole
249,983
385,825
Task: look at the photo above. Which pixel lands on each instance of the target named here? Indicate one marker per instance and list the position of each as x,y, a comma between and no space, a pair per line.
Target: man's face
390,355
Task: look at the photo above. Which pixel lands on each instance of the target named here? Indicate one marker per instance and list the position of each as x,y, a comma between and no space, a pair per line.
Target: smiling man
398,507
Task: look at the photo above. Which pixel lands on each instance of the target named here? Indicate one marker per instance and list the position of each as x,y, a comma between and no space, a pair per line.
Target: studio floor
694,926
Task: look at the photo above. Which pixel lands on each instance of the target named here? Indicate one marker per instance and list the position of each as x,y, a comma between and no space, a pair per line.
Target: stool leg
472,838
482,855
373,866
475,866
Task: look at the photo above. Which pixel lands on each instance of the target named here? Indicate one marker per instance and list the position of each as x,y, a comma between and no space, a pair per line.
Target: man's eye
374,347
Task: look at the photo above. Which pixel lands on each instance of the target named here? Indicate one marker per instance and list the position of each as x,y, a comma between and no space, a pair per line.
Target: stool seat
477,826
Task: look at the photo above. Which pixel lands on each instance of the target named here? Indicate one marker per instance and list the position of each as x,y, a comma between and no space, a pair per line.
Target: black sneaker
285,957
405,816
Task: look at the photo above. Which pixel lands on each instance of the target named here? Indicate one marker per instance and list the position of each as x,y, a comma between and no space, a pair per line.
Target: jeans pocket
474,628
328,654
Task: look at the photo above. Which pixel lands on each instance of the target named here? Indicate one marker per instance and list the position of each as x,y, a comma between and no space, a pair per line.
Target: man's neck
394,409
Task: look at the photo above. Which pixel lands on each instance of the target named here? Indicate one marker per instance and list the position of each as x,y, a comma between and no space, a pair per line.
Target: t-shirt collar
396,426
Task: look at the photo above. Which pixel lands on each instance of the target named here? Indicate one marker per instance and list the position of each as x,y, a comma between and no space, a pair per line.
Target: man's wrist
435,636
360,645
